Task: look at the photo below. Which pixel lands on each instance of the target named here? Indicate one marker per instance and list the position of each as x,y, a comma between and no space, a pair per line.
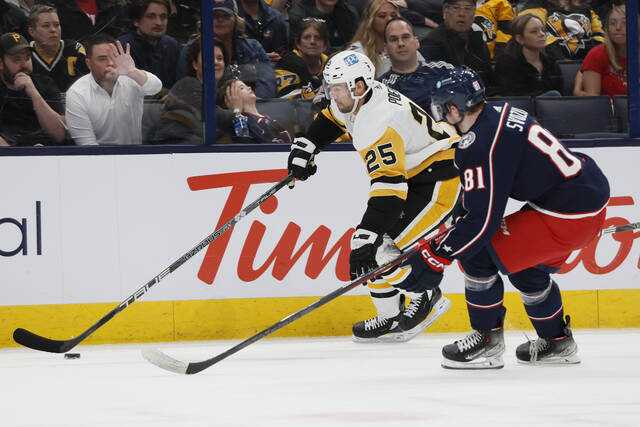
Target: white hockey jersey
395,138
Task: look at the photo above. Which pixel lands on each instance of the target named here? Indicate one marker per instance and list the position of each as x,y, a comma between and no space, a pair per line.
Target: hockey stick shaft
163,361
37,342
619,228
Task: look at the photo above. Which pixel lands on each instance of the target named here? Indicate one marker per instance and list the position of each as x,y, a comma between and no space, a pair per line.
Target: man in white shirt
105,106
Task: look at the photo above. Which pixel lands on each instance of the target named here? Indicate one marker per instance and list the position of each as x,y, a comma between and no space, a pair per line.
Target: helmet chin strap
357,99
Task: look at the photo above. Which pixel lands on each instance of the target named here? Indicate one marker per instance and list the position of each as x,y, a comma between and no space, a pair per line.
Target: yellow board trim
242,318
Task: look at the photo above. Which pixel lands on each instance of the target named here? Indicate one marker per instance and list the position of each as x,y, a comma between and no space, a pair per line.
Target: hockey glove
300,163
364,245
426,270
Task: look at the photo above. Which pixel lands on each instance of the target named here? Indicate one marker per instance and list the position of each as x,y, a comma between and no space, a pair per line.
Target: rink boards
78,234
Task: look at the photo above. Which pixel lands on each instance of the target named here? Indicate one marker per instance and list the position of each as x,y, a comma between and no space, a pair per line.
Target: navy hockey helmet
461,87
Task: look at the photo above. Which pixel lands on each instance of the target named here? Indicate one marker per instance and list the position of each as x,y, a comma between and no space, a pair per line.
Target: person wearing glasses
455,41
299,72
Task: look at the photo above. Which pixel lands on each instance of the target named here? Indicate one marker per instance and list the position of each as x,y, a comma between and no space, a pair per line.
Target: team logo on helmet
351,59
466,140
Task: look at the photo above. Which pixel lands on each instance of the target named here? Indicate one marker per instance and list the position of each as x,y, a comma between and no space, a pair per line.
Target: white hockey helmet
347,67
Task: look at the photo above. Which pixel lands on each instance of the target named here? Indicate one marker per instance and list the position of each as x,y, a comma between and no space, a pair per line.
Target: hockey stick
168,363
619,228
37,342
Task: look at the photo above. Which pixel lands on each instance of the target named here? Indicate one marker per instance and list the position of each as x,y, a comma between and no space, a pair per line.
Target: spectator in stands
572,28
180,118
105,106
62,60
524,68
340,17
456,43
151,48
493,18
83,18
184,17
262,128
604,70
410,74
369,38
247,58
12,19
266,25
299,73
29,104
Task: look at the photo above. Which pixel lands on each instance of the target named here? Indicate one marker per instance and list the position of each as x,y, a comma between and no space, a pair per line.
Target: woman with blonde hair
369,38
604,70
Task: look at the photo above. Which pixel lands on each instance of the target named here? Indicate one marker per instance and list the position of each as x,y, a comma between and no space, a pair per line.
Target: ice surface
322,382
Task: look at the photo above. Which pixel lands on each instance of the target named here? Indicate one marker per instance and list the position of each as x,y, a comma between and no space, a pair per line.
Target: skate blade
495,362
388,338
572,359
441,307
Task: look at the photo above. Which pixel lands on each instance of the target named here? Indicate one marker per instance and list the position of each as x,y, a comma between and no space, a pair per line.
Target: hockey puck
72,356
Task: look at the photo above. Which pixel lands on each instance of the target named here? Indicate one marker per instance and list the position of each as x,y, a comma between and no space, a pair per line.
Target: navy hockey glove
364,244
426,270
300,163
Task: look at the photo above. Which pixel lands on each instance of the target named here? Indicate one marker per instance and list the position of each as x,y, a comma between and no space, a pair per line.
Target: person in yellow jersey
493,19
414,187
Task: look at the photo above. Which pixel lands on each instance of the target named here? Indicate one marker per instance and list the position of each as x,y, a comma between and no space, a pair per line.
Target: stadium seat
283,110
522,102
621,112
577,116
569,69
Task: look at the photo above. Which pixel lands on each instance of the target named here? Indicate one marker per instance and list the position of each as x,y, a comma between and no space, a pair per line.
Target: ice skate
422,311
378,329
477,350
555,351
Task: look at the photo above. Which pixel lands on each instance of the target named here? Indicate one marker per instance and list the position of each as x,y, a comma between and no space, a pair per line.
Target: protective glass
335,90
438,112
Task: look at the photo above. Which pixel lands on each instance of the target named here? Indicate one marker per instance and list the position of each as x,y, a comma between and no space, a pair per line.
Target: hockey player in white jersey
414,187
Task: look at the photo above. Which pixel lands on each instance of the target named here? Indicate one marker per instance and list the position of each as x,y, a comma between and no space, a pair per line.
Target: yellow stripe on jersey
448,154
379,285
331,117
444,198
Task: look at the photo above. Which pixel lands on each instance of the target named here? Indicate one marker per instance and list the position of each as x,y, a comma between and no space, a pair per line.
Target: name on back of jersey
516,119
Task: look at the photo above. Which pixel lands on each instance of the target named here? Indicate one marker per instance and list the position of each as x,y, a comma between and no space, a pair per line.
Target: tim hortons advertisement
96,228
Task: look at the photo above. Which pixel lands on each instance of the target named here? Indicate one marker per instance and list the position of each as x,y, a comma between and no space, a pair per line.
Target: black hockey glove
364,245
427,270
300,163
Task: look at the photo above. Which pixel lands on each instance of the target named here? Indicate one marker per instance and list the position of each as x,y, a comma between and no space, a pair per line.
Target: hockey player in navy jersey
504,153
414,186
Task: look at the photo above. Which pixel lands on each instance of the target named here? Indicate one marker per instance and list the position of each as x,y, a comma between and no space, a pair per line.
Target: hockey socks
484,298
545,311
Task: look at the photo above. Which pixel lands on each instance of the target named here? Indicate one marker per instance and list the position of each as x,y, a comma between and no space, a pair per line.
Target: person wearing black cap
25,116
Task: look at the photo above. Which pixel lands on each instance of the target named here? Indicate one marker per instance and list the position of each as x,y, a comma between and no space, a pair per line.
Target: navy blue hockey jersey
417,86
507,154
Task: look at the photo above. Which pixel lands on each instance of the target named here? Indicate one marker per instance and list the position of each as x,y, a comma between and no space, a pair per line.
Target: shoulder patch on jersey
498,108
466,140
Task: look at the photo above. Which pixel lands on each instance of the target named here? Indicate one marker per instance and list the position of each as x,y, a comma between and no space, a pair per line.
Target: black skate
421,312
555,351
477,350
377,329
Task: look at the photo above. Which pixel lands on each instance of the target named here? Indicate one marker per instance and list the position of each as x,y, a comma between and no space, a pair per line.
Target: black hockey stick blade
620,228
168,363
38,342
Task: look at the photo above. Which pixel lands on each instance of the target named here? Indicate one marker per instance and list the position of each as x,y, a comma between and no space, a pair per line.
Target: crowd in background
115,72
